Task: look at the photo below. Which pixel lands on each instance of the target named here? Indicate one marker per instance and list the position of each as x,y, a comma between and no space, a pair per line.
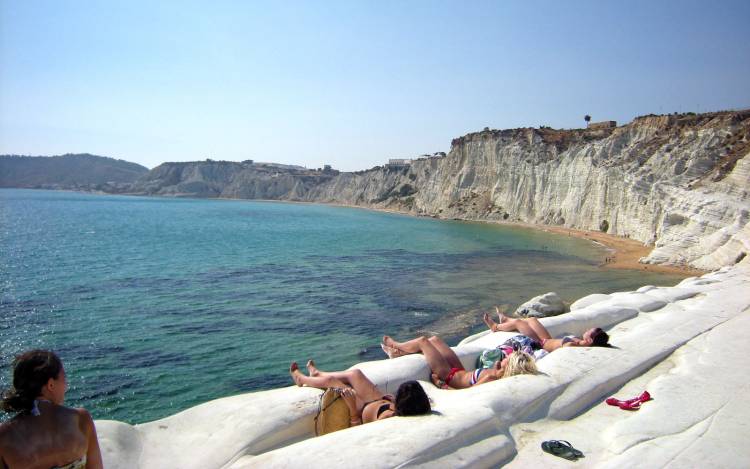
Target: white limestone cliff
679,183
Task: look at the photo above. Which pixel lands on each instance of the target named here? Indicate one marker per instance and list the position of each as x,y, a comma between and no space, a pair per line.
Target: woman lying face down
447,370
365,401
535,330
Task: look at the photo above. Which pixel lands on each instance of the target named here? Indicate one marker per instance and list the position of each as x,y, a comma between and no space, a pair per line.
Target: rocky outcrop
677,182
228,179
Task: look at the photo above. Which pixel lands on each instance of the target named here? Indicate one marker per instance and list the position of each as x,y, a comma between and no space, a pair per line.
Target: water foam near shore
158,304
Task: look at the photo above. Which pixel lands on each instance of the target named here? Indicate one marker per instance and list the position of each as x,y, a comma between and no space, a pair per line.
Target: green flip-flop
561,448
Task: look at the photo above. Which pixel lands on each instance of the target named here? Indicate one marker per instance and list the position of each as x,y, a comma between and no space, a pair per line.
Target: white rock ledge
686,344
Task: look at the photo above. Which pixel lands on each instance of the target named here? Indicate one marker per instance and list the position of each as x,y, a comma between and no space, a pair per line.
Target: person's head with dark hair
36,374
596,337
412,400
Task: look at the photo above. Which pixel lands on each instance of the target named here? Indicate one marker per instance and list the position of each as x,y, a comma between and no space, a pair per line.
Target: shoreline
625,252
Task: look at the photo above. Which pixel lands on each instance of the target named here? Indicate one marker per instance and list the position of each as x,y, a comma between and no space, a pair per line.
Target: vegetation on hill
66,171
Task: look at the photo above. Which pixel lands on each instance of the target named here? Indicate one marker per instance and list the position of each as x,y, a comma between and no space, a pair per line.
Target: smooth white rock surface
687,345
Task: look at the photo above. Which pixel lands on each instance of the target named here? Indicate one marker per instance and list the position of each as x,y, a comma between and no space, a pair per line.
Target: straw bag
333,413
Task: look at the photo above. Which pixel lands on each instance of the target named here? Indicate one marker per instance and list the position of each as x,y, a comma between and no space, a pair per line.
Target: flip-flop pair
562,449
630,404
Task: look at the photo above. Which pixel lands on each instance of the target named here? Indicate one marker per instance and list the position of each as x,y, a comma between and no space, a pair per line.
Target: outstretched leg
491,325
539,329
435,359
365,389
517,325
447,352
530,327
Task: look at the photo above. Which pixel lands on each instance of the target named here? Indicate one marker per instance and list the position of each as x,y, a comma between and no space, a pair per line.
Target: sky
350,83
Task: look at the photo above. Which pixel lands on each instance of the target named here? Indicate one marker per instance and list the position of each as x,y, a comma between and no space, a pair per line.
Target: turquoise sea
156,304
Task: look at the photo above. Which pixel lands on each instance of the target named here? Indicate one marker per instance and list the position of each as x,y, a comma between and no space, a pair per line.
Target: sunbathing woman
366,402
44,433
447,368
539,337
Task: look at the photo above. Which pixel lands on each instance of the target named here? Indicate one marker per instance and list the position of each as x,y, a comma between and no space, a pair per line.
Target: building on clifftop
398,163
603,125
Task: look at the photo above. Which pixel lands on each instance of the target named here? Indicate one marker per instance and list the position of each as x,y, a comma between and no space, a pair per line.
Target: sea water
158,304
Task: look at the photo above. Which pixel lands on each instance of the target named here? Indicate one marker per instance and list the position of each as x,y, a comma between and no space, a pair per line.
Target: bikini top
564,340
382,409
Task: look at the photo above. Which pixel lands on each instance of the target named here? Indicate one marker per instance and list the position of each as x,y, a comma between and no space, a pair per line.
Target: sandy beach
625,252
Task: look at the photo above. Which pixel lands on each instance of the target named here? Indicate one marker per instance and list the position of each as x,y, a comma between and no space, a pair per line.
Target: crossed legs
354,378
530,327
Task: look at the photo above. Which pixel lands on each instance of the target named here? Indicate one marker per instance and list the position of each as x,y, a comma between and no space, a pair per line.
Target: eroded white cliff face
679,183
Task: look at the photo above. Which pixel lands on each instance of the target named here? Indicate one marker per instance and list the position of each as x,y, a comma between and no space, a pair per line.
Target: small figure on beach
43,432
365,401
534,330
447,370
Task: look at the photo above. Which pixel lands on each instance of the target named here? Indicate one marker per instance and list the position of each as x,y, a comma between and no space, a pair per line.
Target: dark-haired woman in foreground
535,330
366,402
44,433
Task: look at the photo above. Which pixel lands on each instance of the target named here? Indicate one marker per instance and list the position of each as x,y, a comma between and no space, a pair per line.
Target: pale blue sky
349,83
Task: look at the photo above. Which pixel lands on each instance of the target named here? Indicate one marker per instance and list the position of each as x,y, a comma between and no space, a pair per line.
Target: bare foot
501,318
312,370
390,342
490,323
296,374
391,351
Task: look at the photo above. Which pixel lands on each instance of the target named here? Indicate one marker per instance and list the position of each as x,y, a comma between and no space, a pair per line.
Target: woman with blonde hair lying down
447,370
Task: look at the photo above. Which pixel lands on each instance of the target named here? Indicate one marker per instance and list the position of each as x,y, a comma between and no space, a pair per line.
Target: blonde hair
520,363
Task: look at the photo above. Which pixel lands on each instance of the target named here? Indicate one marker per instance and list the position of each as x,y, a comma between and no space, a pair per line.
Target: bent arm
574,343
488,375
349,396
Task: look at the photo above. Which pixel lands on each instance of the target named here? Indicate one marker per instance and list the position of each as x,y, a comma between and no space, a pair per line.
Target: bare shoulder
85,422
4,428
8,435
7,428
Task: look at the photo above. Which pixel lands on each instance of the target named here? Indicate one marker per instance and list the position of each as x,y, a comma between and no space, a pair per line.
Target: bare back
57,437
